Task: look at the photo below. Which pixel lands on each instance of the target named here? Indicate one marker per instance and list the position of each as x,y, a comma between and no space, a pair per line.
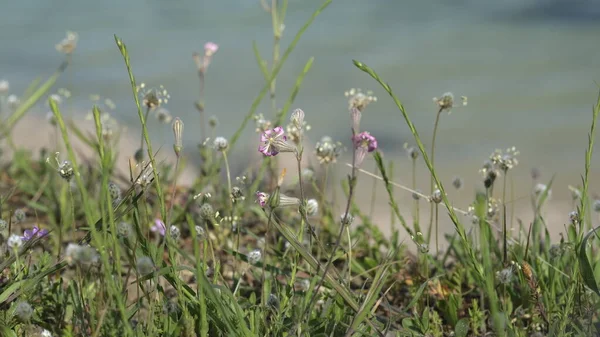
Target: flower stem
435,127
504,220
373,194
416,217
142,138
201,107
170,213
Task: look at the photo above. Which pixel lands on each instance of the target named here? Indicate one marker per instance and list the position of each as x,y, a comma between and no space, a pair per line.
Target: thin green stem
201,106
228,179
373,194
504,229
437,229
435,128
142,136
174,187
416,219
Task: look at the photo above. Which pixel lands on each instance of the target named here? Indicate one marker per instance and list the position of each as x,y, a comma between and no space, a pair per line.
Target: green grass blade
587,272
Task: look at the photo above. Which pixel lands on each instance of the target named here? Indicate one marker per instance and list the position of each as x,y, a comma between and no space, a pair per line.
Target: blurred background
528,68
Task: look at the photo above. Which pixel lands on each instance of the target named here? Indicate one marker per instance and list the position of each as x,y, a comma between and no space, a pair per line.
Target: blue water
528,67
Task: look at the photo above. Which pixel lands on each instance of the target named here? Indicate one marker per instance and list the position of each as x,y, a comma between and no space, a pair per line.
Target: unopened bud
297,118
178,133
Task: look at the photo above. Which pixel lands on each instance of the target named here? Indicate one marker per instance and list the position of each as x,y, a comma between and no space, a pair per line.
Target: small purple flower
274,141
363,143
210,48
34,232
159,227
365,140
262,198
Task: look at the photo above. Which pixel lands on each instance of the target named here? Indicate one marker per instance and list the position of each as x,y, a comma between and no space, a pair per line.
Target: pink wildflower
159,227
274,141
262,198
363,143
210,48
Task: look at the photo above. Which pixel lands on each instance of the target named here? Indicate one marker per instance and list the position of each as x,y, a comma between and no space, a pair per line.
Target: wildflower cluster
327,151
68,44
446,102
153,98
506,160
359,100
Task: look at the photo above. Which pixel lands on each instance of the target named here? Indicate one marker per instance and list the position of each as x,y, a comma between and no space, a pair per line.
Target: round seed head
505,275
457,182
347,219
312,207
3,225
273,302
144,265
412,152
436,196
65,169
20,215
163,115
138,156
207,212
574,217
114,191
596,205
416,195
221,144
14,241
199,232
23,311
174,232
254,256
125,230
213,121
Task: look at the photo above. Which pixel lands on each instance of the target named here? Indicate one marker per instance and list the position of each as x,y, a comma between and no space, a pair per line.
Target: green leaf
587,273
10,290
462,328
